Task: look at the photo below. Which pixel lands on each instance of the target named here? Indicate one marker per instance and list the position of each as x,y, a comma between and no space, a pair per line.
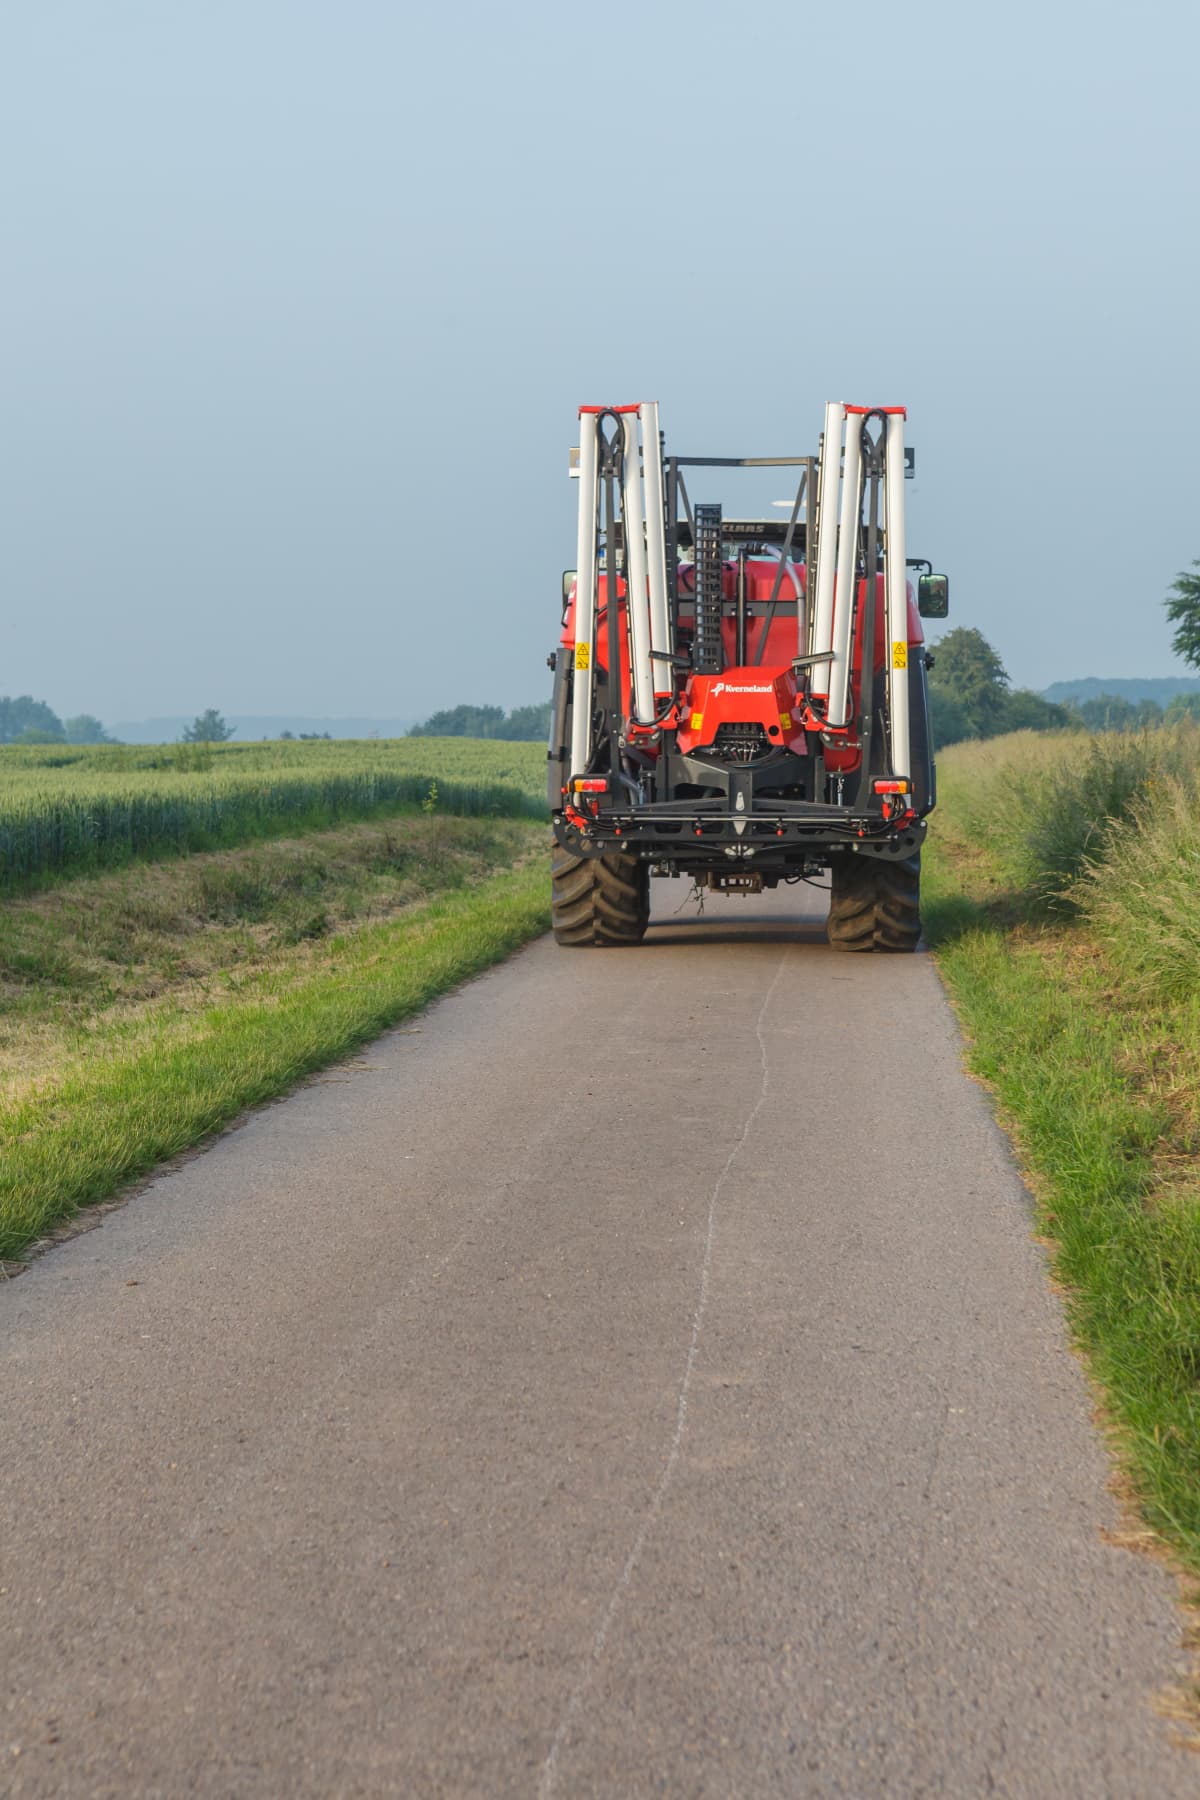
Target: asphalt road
637,1378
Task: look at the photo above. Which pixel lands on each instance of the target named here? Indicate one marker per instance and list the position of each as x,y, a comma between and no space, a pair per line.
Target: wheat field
67,810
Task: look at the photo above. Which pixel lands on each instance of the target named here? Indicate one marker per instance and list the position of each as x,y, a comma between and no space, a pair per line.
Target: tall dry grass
1141,898
1072,819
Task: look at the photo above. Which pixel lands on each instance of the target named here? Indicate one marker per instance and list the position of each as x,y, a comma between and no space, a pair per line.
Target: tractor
742,701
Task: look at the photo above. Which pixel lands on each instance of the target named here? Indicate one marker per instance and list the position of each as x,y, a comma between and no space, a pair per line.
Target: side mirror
933,596
568,582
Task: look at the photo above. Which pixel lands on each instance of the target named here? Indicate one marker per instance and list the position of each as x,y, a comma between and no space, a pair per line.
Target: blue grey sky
300,299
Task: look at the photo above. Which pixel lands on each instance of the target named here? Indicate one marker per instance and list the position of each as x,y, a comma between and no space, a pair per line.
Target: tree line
29,721
24,720
970,695
524,724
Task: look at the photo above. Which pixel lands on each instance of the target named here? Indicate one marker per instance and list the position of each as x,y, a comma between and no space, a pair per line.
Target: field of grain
67,810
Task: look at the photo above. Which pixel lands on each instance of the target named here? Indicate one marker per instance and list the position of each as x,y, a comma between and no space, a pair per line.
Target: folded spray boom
739,699
851,459
623,501
619,477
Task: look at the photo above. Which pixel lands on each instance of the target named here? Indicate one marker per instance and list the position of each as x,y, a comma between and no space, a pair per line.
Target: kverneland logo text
738,687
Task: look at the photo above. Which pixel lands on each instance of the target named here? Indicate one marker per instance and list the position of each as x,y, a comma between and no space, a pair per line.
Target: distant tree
950,722
1183,706
35,736
1112,712
968,672
1183,610
84,728
524,724
287,736
27,714
1103,712
309,737
1026,711
461,721
527,724
208,728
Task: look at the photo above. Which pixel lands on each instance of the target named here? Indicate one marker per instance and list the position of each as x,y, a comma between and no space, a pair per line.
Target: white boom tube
896,589
821,591
585,597
846,593
656,554
636,600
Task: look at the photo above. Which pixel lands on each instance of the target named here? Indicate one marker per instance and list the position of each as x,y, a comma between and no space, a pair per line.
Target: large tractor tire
875,905
599,899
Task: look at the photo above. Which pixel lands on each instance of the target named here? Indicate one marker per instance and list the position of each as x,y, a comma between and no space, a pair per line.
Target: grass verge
142,1085
1097,1076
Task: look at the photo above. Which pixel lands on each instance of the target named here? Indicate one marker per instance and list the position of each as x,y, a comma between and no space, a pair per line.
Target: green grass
66,810
1047,806
1088,1031
145,1009
1142,899
145,935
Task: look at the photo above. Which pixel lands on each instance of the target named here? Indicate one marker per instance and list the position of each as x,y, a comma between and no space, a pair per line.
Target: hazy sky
299,300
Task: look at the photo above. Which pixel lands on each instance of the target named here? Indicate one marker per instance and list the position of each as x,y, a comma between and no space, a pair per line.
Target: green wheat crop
64,809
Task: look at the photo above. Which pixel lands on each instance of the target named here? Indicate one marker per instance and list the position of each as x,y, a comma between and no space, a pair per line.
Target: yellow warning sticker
785,719
582,655
899,656
697,721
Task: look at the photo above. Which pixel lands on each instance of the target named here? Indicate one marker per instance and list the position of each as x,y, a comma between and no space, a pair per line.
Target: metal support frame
803,488
630,526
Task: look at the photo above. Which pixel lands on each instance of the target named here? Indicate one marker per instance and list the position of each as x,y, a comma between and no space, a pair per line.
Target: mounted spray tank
718,715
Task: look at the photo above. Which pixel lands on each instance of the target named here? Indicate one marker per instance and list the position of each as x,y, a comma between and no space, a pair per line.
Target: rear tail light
590,785
891,787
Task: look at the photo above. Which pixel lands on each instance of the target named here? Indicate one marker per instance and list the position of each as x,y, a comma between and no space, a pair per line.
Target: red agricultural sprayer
741,701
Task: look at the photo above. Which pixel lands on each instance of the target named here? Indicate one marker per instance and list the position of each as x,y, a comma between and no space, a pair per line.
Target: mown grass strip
1072,1064
123,1113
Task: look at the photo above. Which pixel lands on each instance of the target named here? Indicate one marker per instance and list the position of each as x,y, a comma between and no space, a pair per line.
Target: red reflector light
891,787
588,785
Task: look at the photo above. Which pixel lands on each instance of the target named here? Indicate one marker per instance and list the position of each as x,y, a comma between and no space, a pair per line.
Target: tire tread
598,899
875,905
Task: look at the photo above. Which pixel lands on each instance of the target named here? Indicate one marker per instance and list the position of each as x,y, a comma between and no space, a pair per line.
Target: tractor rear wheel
875,905
599,899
